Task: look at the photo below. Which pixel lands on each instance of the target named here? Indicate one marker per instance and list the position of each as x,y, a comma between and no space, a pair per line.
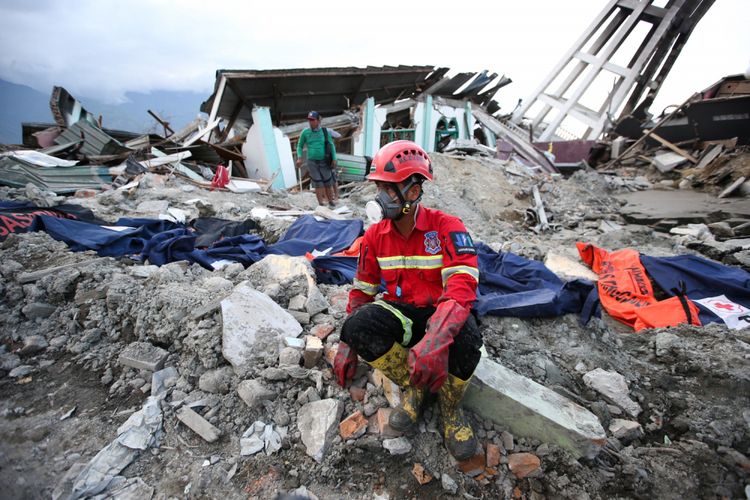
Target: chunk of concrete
253,326
143,356
313,350
397,446
318,424
667,161
531,410
198,424
216,381
613,387
625,430
38,310
253,392
568,268
391,390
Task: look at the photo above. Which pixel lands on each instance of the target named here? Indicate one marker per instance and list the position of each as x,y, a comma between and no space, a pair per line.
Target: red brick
329,353
523,464
421,475
353,426
473,466
517,493
322,331
384,429
493,455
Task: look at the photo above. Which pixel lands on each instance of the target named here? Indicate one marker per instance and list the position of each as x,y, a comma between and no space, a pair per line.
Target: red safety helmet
399,160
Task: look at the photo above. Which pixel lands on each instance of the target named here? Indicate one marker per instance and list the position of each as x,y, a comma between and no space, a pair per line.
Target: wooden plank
624,154
674,148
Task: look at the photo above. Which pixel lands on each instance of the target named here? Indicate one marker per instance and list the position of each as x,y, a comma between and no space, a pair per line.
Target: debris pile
194,382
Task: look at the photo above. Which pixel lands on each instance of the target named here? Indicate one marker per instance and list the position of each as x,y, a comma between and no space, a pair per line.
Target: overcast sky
104,48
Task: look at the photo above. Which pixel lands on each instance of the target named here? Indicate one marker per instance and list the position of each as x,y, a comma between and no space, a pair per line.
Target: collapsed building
166,334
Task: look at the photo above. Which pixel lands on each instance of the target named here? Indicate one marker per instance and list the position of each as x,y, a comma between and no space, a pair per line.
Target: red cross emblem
728,307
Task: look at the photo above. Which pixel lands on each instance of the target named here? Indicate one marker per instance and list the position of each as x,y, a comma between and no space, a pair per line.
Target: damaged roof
291,93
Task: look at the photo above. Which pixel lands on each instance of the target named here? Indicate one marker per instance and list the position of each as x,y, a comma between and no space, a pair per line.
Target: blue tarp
510,285
160,241
702,277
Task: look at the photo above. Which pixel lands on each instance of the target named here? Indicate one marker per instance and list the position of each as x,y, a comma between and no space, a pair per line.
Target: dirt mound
63,334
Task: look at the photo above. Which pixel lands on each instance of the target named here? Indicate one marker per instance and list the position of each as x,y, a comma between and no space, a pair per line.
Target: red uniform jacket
437,262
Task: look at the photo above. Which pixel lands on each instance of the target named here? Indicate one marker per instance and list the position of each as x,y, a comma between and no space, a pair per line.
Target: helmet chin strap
406,206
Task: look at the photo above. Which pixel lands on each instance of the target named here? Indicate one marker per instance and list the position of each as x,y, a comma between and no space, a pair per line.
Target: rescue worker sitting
422,334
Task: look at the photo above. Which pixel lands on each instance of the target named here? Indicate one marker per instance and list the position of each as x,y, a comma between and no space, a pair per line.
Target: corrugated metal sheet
17,173
95,141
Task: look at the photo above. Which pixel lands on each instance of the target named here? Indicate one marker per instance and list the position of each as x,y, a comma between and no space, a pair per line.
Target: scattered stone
253,392
612,386
38,310
290,356
384,429
322,331
420,474
274,374
397,446
449,484
493,455
391,390
143,356
32,345
625,430
21,371
353,426
473,466
302,318
313,350
297,303
8,361
317,423
198,424
216,381
524,464
507,440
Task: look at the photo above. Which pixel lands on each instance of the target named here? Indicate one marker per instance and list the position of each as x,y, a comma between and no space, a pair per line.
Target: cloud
105,48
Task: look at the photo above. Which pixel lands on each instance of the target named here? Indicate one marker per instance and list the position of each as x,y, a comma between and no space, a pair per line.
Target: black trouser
371,330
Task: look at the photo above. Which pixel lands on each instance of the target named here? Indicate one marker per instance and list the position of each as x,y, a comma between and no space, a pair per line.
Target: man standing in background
321,159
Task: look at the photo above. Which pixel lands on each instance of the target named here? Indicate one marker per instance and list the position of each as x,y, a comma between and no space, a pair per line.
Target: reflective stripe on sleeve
411,262
450,271
365,287
406,323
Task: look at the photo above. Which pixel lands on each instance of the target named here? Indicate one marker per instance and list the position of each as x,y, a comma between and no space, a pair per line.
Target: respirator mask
384,207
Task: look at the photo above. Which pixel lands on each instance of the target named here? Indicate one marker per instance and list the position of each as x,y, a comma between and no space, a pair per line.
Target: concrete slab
254,326
198,424
683,206
143,356
531,410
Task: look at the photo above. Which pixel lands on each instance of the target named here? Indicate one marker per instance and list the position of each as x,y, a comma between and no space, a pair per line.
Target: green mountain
19,103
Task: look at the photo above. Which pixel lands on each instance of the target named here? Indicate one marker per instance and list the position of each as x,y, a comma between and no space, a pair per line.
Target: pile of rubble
129,380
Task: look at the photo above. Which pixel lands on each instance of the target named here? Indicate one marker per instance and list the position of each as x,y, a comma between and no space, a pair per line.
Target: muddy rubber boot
459,437
394,365
410,409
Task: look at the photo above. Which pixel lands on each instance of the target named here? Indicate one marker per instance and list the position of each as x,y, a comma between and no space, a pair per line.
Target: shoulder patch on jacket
463,243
